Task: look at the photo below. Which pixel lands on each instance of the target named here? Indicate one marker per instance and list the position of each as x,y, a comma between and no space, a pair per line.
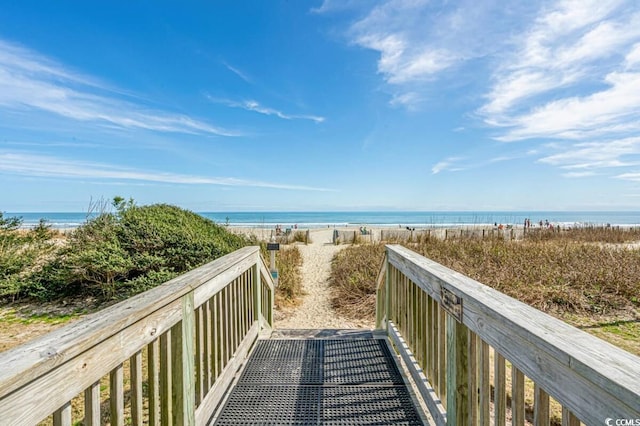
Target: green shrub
21,253
119,254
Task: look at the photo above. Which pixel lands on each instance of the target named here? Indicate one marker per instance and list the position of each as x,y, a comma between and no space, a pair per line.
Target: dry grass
353,280
572,275
289,290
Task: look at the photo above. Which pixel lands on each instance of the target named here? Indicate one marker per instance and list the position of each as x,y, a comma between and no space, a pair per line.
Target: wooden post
457,372
183,368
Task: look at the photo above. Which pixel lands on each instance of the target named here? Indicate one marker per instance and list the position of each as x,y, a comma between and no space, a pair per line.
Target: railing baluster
199,355
541,406
517,397
568,418
182,364
62,416
116,396
166,414
92,405
207,356
485,383
135,368
473,378
457,372
153,379
499,394
442,354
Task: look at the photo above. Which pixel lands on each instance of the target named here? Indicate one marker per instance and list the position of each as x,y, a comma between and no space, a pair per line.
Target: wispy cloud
27,164
447,165
244,76
32,81
421,41
596,155
251,105
585,47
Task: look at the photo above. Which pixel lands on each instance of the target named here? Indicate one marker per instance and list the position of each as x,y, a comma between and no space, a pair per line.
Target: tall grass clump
288,262
289,290
353,280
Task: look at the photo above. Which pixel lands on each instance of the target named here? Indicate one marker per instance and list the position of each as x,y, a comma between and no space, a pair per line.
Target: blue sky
321,105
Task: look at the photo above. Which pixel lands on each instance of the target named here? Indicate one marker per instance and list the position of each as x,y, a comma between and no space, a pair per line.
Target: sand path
315,311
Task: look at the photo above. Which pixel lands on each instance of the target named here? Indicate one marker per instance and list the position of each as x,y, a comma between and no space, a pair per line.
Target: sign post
273,247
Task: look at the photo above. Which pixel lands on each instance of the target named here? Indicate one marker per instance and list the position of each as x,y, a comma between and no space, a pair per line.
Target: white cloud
552,85
575,175
26,164
615,107
419,41
446,165
254,106
596,155
238,72
31,81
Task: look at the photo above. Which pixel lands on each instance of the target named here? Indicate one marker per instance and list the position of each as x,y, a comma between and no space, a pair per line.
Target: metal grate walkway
320,382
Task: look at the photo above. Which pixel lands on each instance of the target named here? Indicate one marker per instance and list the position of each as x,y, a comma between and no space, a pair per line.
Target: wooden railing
165,356
459,339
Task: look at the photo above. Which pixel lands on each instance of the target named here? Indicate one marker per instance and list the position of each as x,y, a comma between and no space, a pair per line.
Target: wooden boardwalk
320,377
169,356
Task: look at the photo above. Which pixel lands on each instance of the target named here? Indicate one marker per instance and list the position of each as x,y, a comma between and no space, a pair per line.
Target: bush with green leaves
21,253
121,253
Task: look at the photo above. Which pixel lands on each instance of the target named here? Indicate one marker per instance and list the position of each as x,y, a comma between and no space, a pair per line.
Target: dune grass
583,279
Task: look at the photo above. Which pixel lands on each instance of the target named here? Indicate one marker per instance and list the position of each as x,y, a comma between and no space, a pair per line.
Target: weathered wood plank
597,377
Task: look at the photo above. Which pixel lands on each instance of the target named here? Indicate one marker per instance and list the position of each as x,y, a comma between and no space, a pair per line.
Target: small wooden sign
451,303
273,246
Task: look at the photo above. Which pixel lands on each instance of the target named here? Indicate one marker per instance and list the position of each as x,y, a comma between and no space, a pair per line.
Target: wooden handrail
188,312
592,379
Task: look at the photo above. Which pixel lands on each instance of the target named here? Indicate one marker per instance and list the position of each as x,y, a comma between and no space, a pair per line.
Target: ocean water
424,219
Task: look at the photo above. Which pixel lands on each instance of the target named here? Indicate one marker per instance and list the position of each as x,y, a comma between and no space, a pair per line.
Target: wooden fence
460,338
165,356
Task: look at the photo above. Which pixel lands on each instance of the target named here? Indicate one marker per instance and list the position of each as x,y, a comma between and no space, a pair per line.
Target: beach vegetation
289,263
21,252
113,255
574,279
